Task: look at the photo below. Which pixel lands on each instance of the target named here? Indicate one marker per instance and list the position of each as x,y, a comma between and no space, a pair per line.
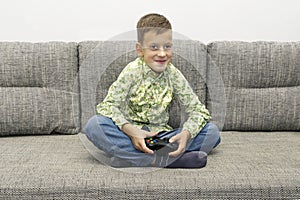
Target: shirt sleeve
115,101
198,115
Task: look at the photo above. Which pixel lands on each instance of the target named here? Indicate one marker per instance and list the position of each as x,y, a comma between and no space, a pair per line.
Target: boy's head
154,41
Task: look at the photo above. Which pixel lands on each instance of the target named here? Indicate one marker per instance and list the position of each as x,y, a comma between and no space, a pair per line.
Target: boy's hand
182,139
137,137
139,143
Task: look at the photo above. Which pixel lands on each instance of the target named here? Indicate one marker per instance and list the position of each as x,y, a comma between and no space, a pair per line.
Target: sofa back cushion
102,62
262,84
39,88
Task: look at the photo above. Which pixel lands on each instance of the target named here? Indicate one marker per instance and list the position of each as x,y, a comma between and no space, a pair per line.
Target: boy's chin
159,69
160,66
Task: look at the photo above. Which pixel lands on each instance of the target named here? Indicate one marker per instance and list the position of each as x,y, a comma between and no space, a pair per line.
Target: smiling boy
136,107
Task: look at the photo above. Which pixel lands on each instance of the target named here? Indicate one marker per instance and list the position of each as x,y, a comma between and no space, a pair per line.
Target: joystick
160,145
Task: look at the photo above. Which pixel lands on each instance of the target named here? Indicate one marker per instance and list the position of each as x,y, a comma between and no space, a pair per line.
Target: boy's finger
151,134
155,133
175,153
180,150
173,139
145,149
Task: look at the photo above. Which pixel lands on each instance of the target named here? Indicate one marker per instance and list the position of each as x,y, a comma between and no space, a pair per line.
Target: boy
136,107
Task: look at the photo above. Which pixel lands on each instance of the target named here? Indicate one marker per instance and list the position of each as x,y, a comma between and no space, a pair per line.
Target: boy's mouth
160,61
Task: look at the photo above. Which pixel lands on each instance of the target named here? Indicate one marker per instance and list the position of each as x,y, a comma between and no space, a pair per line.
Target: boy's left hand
181,139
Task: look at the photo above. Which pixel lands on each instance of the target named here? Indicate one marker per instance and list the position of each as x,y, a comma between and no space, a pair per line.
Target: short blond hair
150,22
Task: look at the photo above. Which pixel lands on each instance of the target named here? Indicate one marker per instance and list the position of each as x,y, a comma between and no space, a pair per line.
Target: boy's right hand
138,136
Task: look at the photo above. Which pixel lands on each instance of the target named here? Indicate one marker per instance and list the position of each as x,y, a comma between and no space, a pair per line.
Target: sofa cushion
102,62
253,165
261,81
39,88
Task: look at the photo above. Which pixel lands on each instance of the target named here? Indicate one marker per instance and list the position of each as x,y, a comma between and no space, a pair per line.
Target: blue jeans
105,135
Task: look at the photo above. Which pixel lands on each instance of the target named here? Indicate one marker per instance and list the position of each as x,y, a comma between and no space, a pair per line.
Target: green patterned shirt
141,97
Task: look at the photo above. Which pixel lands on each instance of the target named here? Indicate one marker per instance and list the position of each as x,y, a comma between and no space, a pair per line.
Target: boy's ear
139,49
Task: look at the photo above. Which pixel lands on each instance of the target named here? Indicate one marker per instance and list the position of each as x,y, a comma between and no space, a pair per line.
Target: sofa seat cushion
246,165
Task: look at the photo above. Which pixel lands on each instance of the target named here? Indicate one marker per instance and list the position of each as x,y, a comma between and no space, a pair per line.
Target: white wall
204,20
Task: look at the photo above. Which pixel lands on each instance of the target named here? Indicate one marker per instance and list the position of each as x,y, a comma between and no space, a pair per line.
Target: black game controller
160,145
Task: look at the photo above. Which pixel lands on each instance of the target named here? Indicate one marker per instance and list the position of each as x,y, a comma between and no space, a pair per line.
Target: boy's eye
153,47
168,47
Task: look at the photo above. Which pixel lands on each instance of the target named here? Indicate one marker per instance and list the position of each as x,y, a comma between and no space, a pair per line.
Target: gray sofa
49,90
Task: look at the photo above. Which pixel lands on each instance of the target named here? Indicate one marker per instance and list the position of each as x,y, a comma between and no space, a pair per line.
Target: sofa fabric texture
252,165
49,91
39,88
262,84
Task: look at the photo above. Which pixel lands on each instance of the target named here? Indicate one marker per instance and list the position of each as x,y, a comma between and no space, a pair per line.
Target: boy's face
156,50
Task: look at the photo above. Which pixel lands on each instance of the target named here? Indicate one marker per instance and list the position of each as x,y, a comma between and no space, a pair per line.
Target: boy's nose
161,53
